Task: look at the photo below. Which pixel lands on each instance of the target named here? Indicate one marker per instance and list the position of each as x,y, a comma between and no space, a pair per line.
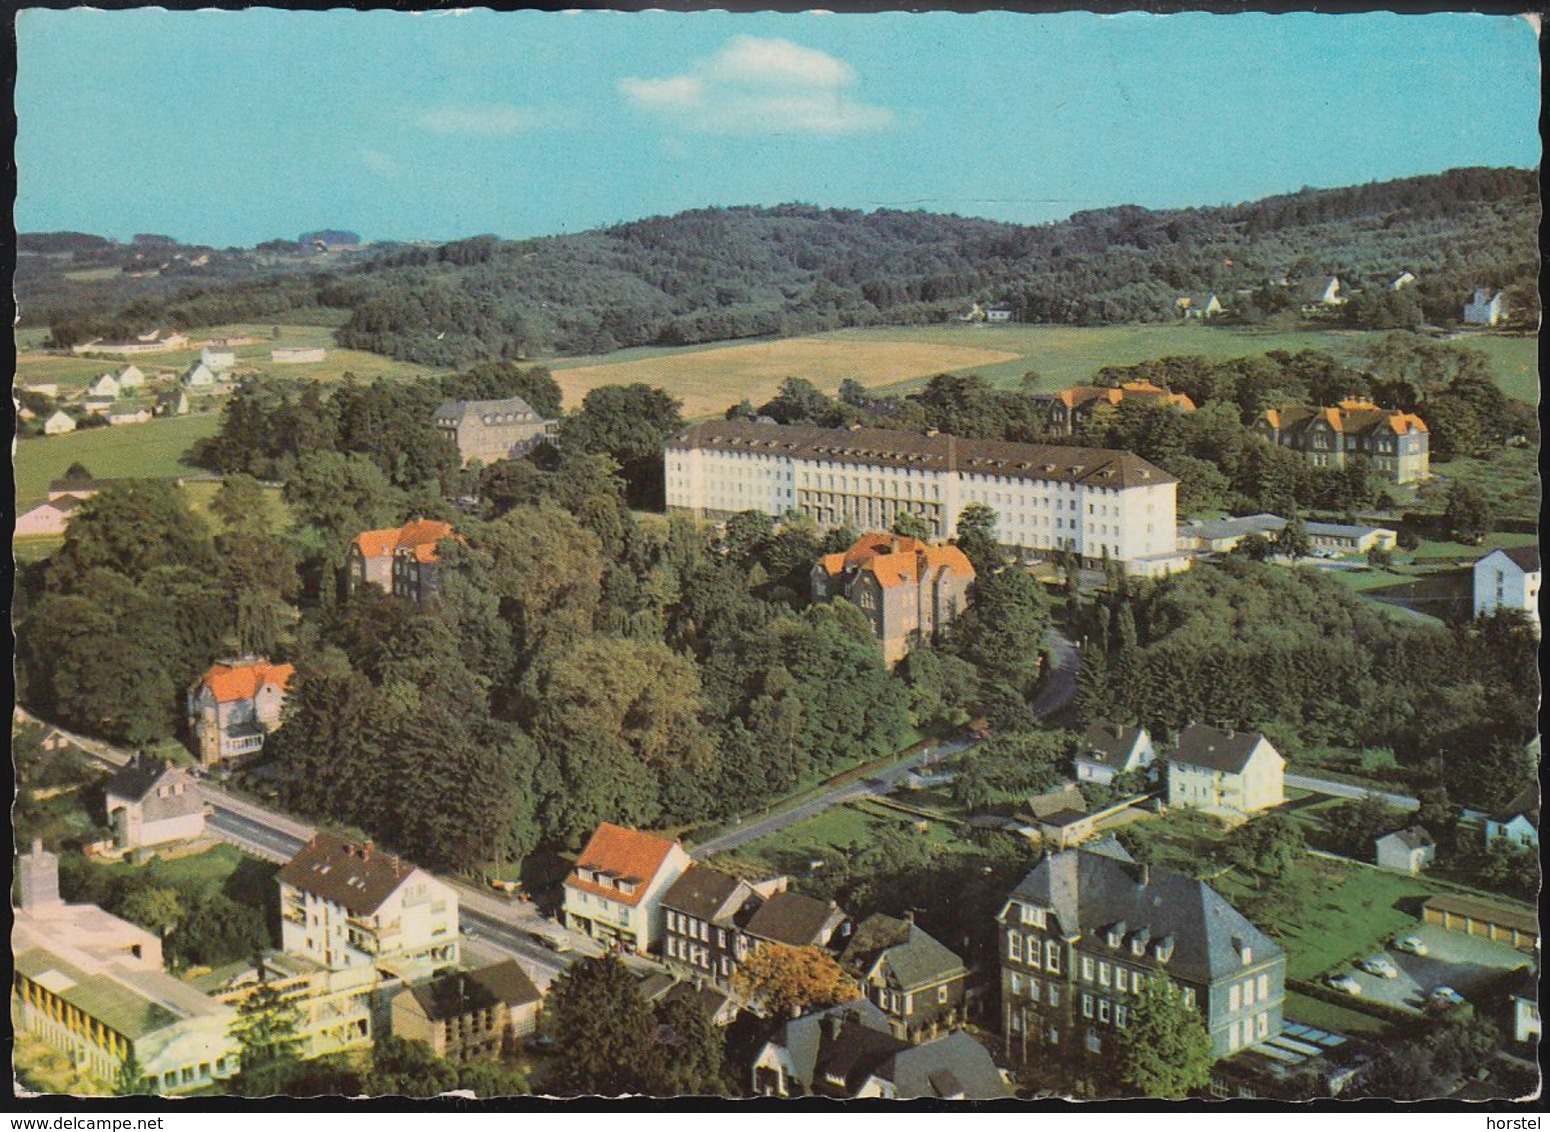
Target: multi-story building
335,1008
909,591
1508,579
469,1015
234,707
488,431
1395,444
1088,929
1071,408
1108,750
615,891
913,979
704,913
347,905
1238,772
151,802
1095,503
400,560
91,986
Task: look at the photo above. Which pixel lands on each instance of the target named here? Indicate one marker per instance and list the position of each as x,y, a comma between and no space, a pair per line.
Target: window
1234,997
1136,982
1121,978
1262,1026
1264,987
1103,1010
672,920
1034,990
1248,992
1188,995
1052,957
1121,1015
1087,969
1094,1042
1014,946
1103,974
1054,995
941,995
1032,915
1014,984
1033,951
1087,1006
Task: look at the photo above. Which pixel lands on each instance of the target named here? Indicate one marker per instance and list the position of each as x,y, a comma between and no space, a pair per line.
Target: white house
130,377
104,386
1215,769
297,354
1406,850
1111,749
59,424
199,376
1518,820
136,416
1400,282
218,359
1508,579
615,891
349,905
1486,309
151,802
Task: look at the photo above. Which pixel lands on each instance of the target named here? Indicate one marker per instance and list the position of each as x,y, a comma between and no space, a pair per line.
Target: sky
232,127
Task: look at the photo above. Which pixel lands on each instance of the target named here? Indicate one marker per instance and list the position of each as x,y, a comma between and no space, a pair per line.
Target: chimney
832,1024
1119,731
909,915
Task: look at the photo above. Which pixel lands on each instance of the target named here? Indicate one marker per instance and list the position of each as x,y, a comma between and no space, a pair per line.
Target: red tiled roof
419,537
623,854
231,683
897,559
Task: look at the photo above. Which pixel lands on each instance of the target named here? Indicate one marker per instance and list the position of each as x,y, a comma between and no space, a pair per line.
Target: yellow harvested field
710,381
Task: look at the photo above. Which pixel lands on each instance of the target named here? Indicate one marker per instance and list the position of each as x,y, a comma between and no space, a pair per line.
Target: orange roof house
399,560
615,891
1395,443
1071,406
910,591
234,706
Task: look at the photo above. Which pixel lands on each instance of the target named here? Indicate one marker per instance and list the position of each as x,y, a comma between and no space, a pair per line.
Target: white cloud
760,86
495,119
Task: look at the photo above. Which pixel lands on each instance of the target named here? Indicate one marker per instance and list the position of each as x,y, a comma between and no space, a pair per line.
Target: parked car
1411,944
1444,998
558,944
1346,982
1379,965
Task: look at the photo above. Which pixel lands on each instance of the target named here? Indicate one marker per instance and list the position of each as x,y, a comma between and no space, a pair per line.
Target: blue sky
234,127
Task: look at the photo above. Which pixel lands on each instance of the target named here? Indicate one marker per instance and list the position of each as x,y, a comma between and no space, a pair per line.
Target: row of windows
1241,996
1111,975
1050,951
693,928
1254,1029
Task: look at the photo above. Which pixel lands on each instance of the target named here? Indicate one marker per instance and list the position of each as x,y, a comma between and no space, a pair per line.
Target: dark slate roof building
795,920
914,979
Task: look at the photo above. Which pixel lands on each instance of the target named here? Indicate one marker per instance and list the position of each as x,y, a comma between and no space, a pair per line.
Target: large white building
1508,579
1095,502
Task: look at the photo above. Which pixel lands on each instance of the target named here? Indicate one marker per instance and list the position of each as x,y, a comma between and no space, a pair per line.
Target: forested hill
722,273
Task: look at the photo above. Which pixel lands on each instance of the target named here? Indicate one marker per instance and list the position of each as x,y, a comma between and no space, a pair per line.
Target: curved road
1059,687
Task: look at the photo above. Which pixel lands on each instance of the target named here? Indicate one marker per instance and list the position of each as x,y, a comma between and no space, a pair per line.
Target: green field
153,449
1508,478
221,868
1328,1016
830,835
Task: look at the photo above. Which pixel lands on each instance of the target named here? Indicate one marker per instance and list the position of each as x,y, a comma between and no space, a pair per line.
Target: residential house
916,981
1508,579
347,905
1071,408
130,377
488,431
1321,295
335,1008
909,591
1401,281
795,920
615,892
91,986
1108,750
96,406
1096,503
1523,994
1220,536
1488,919
296,355
1202,306
235,705
469,1015
400,560
1087,929
104,386
1517,821
199,376
998,313
1395,444
47,518
217,359
1239,772
1486,308
848,1052
704,913
173,403
46,388
80,487
1407,850
152,802
1059,817
130,416
59,424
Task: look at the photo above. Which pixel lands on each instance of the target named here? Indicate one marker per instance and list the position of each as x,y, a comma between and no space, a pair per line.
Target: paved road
1059,687
1346,790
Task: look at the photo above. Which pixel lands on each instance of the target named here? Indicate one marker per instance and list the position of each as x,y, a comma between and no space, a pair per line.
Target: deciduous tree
1165,1051
789,981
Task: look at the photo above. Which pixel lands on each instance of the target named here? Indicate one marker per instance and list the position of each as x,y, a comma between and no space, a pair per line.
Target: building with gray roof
914,979
488,431
1087,930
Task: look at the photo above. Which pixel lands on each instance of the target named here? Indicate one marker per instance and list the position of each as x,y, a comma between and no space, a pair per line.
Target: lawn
154,449
222,868
1508,478
829,836
1515,358
1328,1016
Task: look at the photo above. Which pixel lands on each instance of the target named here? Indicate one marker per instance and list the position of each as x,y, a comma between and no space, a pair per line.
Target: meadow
154,449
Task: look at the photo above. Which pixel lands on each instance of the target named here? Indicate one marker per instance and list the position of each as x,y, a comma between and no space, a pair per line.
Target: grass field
1328,1016
221,868
708,381
1508,478
153,449
828,836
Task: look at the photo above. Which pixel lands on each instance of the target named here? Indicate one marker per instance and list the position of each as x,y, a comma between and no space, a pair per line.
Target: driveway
1453,959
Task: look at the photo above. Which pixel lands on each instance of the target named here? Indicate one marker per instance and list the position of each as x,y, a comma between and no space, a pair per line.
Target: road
1346,790
1059,687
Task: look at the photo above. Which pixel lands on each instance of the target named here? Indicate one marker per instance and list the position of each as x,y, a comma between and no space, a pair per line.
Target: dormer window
1138,942
1116,933
1032,914
1165,949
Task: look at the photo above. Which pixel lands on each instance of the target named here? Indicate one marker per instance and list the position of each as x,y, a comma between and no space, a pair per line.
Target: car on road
470,933
1346,982
1444,998
1380,965
1325,553
1410,944
557,944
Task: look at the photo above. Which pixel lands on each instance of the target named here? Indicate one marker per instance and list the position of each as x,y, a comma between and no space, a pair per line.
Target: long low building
1218,536
1097,503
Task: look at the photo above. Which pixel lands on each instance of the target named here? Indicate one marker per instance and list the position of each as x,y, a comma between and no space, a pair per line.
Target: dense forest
723,273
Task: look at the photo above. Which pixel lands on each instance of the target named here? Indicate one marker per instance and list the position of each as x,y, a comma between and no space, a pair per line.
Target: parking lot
1453,959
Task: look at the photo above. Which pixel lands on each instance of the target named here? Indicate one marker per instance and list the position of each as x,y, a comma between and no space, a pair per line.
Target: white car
1379,965
1442,998
1411,944
1346,982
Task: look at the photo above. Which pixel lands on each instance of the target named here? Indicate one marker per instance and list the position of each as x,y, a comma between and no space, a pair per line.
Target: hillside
717,274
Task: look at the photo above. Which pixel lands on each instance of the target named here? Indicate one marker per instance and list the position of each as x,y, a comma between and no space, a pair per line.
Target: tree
1255,547
601,1026
790,981
1269,845
155,908
977,538
691,1050
401,1067
1165,1051
268,1043
1354,826
1292,540
1468,514
907,524
628,423
130,1079
131,527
